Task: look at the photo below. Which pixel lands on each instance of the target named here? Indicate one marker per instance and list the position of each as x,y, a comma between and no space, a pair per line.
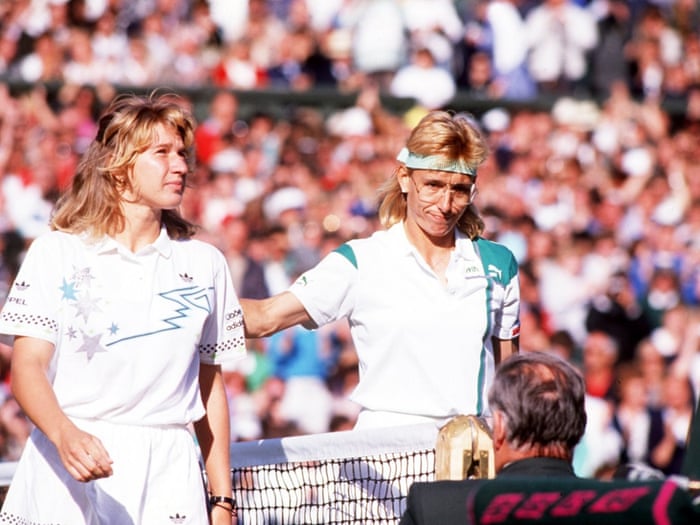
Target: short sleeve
507,325
33,302
223,336
327,290
501,268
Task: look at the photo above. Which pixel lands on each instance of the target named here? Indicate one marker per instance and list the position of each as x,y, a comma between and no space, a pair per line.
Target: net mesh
335,478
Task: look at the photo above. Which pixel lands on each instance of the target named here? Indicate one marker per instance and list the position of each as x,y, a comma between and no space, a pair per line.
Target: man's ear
498,430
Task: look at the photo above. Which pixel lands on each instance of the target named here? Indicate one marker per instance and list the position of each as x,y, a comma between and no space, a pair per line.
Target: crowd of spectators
424,49
598,197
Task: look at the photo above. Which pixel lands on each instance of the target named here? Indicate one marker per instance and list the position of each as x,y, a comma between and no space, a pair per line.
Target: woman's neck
436,252
140,229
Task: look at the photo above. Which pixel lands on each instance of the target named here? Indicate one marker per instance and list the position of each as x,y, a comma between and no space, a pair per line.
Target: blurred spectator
230,17
690,60
669,336
687,362
265,31
565,293
678,410
497,29
188,66
303,359
653,436
8,50
422,79
435,24
276,266
654,45
654,369
480,83
685,16
600,354
662,295
109,42
535,323
245,420
83,66
160,52
609,60
275,425
641,427
598,452
345,374
45,62
290,68
248,274
560,33
235,68
136,66
214,132
618,313
29,195
563,345
379,43
14,429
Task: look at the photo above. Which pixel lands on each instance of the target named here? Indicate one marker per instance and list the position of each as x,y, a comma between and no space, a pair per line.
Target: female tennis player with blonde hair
431,304
121,321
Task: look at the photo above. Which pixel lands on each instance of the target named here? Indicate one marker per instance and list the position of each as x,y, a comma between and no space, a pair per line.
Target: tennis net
358,476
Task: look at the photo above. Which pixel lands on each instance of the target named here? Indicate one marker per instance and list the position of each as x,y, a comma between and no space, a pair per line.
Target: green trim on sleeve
346,251
501,266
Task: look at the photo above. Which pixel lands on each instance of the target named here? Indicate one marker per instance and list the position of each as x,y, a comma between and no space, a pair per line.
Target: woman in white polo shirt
121,321
432,305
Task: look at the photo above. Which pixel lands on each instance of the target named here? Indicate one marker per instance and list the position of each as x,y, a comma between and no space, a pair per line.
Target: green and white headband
434,162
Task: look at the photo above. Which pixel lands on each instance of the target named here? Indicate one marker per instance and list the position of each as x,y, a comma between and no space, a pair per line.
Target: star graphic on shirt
91,345
68,290
113,329
85,306
71,333
82,276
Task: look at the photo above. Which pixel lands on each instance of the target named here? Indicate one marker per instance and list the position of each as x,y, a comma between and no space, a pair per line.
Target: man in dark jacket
537,404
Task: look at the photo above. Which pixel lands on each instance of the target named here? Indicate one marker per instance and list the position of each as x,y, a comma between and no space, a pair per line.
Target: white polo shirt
424,348
130,330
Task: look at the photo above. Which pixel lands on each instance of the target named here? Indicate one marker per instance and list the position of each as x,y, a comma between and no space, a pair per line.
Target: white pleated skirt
156,480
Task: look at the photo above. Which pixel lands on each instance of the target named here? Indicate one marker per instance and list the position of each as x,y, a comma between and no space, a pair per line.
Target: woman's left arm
214,436
504,348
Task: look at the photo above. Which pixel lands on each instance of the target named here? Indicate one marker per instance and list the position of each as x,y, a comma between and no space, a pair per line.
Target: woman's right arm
263,317
82,454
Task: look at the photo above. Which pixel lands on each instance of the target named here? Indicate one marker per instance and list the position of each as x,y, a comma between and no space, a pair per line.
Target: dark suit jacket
445,502
546,492
529,467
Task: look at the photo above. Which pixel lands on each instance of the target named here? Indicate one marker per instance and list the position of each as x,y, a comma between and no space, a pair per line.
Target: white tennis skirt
156,480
